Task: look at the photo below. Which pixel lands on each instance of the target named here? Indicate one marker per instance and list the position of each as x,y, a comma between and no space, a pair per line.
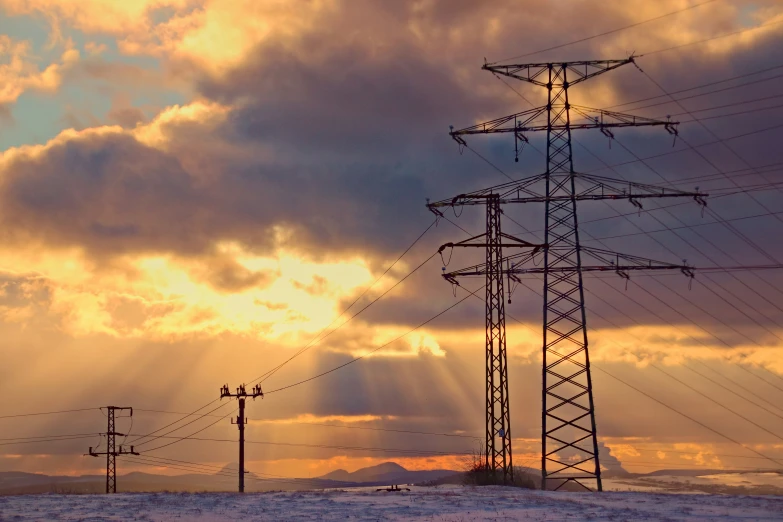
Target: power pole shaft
111,448
240,421
241,426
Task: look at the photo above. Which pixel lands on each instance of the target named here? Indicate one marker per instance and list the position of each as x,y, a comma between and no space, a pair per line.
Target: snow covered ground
445,503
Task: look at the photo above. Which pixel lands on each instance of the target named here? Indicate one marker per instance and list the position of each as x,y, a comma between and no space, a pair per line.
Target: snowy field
448,503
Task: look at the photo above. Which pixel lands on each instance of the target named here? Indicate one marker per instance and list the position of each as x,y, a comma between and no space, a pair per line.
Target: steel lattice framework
569,436
497,455
111,448
498,422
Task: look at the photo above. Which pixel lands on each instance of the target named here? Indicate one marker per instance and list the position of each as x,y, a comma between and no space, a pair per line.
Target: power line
692,419
560,46
708,84
52,436
327,446
287,421
389,430
186,437
355,359
51,439
46,413
655,366
718,218
135,441
271,372
650,396
658,316
318,337
369,304
749,29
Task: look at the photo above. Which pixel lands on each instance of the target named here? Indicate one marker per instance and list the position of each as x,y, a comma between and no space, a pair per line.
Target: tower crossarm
588,187
480,241
537,73
594,260
534,120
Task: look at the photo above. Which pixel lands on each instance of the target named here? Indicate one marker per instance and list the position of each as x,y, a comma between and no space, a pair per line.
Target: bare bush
478,473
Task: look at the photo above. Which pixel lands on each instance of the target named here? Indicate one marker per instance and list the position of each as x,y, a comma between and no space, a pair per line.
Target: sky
193,191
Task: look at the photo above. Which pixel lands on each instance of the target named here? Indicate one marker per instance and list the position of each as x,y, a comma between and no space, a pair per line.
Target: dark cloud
338,136
127,117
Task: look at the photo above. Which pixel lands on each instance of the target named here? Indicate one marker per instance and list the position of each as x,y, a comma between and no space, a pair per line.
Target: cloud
19,73
238,224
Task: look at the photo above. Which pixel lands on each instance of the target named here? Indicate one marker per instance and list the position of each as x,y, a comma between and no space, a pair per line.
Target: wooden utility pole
241,395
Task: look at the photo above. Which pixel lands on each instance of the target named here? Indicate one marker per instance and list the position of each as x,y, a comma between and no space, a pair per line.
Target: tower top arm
536,73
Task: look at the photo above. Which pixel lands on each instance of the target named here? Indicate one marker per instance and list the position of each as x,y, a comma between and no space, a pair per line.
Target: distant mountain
386,473
16,482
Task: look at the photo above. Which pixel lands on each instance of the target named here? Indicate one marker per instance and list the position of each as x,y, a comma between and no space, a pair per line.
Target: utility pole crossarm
537,73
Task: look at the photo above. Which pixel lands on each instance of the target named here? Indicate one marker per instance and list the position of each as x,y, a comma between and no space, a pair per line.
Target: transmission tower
241,395
497,455
111,451
569,438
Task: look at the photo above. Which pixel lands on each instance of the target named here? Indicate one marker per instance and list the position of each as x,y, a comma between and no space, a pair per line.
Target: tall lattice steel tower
497,447
569,437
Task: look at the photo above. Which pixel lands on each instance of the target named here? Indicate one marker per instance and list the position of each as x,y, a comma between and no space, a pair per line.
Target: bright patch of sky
84,99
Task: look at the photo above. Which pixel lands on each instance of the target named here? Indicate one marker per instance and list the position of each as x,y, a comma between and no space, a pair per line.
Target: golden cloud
19,72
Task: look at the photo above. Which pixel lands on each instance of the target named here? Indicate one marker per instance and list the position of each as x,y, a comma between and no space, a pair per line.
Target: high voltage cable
664,404
659,401
46,413
708,84
718,218
725,145
225,471
655,366
706,118
659,317
666,102
91,434
390,430
186,437
355,359
506,175
606,32
335,425
329,446
224,476
524,228
749,29
135,441
708,453
715,215
651,397
727,105
766,214
712,177
318,337
54,439
701,145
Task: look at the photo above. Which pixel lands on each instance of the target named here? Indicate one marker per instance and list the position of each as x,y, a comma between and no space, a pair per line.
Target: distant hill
386,473
16,482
